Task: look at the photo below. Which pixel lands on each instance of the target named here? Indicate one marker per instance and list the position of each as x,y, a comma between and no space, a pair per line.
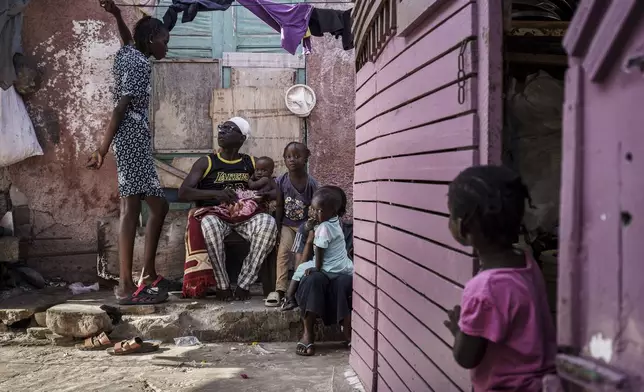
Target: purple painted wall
413,136
602,226
73,42
330,72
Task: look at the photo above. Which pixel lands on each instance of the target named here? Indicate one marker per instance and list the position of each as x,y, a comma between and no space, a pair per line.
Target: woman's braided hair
493,196
145,29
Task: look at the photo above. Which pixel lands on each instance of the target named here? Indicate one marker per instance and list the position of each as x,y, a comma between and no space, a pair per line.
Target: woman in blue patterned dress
129,132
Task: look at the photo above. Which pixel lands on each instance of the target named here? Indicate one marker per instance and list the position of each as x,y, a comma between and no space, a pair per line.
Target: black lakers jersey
223,174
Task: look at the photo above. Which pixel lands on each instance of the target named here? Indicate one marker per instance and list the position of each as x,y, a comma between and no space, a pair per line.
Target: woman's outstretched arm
124,31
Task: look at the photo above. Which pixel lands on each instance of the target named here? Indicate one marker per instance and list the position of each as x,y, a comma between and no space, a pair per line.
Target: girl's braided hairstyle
145,29
493,196
342,198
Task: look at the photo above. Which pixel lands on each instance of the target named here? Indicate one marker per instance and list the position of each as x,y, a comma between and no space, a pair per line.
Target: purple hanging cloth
290,20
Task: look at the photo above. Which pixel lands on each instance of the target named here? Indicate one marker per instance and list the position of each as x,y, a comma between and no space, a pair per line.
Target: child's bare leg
130,209
290,302
346,329
158,210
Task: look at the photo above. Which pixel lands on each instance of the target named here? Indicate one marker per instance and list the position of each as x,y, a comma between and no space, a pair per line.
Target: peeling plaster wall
330,72
73,42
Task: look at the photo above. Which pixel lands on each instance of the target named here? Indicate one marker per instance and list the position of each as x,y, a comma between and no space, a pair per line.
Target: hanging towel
291,21
190,8
335,22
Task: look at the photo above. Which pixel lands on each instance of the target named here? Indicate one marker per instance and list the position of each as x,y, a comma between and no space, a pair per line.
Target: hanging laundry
306,42
190,8
10,38
291,21
335,22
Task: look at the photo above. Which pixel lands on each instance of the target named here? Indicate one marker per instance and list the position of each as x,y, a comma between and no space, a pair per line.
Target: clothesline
239,5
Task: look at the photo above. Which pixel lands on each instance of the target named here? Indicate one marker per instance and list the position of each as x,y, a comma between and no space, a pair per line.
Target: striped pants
260,231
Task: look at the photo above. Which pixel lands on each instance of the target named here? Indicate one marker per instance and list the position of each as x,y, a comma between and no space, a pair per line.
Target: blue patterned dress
133,140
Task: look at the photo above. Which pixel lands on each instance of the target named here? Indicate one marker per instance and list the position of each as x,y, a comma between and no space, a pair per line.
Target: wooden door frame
489,93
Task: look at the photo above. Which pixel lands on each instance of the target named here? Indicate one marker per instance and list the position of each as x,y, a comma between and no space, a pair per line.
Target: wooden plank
489,92
442,167
388,380
365,268
365,74
443,292
262,60
392,290
383,387
365,191
360,346
169,176
428,197
365,211
362,369
362,328
435,107
588,15
399,45
363,20
453,133
364,230
366,311
408,362
444,39
570,216
399,365
406,91
424,224
364,249
413,13
272,125
413,84
616,27
181,120
366,91
430,372
262,77
365,289
446,262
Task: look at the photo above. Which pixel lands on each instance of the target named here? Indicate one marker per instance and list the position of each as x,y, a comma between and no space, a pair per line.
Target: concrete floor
269,367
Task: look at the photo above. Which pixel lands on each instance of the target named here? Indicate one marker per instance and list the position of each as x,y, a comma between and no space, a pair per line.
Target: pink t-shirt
509,308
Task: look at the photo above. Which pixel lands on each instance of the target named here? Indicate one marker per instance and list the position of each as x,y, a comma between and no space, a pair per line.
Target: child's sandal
289,305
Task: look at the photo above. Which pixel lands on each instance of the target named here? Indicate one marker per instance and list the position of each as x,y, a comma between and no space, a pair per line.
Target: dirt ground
267,367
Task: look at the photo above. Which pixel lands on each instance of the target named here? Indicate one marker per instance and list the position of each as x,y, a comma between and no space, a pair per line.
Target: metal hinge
635,62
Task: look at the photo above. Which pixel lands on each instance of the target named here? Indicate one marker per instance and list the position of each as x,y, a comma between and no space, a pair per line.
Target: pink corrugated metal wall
413,136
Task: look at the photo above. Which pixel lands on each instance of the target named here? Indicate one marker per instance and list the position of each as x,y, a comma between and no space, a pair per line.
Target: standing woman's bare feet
143,295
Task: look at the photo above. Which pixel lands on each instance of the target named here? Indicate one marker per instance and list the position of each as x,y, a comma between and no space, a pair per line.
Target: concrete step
208,320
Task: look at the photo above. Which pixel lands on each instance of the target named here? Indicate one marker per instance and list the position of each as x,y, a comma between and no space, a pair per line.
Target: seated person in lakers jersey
217,179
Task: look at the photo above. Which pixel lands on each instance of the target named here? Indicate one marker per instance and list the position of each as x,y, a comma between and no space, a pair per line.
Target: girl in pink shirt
502,330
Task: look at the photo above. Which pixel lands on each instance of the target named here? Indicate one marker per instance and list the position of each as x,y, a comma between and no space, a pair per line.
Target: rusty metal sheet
181,95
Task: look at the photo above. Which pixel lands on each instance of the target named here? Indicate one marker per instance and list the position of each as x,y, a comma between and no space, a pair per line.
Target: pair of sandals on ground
135,345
